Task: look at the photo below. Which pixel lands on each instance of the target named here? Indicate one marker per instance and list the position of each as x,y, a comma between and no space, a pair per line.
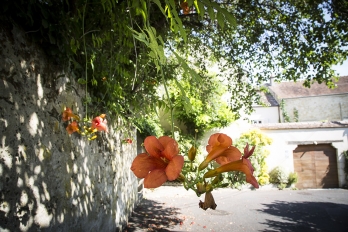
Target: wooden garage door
316,166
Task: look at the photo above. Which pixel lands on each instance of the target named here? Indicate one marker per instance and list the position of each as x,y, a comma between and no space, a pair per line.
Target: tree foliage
202,106
118,49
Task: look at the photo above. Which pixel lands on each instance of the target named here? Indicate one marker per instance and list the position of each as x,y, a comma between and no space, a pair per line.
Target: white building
314,145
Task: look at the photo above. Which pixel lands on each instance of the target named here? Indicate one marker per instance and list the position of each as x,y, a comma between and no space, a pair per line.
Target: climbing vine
285,115
118,50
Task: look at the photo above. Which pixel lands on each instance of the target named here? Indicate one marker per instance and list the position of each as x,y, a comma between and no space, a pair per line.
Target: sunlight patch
33,124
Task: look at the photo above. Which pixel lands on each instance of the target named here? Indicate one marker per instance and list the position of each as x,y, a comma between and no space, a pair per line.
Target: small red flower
72,127
100,123
129,141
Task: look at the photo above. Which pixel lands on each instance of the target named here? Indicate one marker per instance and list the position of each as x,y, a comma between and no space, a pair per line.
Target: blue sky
342,69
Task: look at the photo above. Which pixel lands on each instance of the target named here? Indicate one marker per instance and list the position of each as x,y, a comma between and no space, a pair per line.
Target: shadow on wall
306,216
48,179
153,216
316,166
330,177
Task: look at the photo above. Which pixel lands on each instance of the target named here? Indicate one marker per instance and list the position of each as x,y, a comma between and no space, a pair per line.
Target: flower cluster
128,141
161,162
98,123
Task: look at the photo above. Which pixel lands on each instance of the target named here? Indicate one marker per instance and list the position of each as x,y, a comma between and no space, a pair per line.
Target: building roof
302,125
268,99
292,89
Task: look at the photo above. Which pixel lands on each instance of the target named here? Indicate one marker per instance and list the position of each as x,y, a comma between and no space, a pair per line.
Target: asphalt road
174,209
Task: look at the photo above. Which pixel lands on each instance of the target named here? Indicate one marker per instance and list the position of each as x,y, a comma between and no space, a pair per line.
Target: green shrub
148,125
292,178
278,176
256,138
281,186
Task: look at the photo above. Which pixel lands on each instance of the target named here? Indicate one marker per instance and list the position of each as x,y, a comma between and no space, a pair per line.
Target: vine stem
135,50
84,45
169,102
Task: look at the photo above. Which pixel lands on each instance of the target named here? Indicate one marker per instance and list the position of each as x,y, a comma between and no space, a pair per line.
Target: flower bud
93,137
209,188
200,188
217,179
192,153
181,178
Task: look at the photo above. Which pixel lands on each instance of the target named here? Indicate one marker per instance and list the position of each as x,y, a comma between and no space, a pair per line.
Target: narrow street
175,209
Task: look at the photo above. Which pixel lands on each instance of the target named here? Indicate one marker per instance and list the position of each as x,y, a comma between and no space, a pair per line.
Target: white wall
281,150
265,114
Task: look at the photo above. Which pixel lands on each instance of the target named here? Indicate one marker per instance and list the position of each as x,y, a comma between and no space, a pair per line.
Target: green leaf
220,20
186,68
211,13
229,17
81,81
73,45
184,98
158,3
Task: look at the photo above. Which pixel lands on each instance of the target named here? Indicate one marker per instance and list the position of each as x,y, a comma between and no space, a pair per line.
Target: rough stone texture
318,108
49,180
317,103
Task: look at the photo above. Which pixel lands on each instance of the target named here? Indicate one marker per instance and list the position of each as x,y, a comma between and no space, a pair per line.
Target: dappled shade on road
153,216
306,216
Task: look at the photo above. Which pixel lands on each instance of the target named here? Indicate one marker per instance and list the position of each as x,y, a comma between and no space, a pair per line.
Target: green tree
118,49
288,40
202,107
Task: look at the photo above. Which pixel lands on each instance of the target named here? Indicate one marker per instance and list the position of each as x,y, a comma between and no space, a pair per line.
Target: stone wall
318,108
50,180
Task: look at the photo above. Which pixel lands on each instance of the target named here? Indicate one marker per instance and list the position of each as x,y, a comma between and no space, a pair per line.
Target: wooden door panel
316,166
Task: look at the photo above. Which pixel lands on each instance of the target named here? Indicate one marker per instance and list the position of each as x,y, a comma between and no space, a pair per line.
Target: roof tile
292,89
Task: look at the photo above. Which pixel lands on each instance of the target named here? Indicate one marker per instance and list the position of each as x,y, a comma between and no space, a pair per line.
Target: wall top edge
302,125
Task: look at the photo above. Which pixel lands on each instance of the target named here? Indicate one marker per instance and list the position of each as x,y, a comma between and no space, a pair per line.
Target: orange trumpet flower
239,165
229,155
72,127
247,154
67,114
100,123
220,145
160,163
